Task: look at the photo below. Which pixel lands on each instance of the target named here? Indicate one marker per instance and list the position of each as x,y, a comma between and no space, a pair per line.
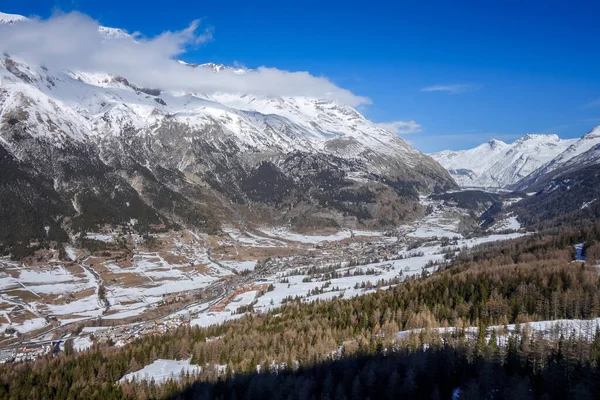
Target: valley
343,208
131,286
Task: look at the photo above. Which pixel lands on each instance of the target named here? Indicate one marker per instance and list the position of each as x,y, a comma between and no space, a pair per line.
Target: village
308,268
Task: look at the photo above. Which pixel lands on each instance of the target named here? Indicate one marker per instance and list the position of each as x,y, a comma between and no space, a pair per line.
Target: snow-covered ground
440,222
162,370
508,223
69,291
239,265
291,285
82,343
103,237
250,239
281,236
133,286
25,326
213,318
53,279
386,270
587,204
288,235
549,329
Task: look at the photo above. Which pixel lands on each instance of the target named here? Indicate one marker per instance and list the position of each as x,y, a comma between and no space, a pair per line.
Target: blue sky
466,71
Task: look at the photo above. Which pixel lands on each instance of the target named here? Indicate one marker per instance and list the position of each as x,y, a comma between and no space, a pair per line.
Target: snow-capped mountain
496,164
103,150
582,152
11,18
565,188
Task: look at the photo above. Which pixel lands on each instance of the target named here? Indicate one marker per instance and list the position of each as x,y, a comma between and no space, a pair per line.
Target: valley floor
191,279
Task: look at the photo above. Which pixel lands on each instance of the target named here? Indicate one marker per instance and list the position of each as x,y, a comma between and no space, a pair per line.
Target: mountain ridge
578,155
496,164
200,160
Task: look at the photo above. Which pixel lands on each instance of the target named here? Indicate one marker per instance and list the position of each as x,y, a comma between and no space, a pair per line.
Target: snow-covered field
213,318
361,261
355,281
240,265
28,325
550,329
281,237
162,370
288,235
69,291
508,223
53,279
440,222
103,237
82,343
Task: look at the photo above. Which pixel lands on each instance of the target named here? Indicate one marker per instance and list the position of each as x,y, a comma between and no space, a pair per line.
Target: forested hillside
528,279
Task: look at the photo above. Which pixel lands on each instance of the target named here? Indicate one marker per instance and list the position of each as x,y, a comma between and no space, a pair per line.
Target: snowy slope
162,370
109,33
290,124
496,164
93,104
192,158
11,18
582,152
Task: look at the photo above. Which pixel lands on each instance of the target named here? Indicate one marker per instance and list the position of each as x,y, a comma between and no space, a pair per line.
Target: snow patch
162,370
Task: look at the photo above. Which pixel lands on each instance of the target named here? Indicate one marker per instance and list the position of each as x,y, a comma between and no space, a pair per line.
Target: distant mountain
106,151
11,18
496,164
566,188
581,153
560,175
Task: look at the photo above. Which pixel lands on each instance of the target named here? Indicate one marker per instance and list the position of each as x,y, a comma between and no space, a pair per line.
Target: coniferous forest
350,348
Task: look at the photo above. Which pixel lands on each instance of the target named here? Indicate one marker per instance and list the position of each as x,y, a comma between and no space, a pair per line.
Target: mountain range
523,164
82,150
87,150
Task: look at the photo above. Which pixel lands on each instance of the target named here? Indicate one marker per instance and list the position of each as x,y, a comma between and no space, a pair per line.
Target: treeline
529,279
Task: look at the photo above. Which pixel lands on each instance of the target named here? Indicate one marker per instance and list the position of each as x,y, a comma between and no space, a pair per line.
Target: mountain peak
495,144
6,18
223,67
105,31
593,134
113,33
215,67
546,137
498,164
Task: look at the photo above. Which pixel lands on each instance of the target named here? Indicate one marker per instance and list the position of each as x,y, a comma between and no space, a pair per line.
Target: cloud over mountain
401,127
73,41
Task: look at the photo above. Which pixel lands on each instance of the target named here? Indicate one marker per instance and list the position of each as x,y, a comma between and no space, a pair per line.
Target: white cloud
72,41
452,89
592,104
401,127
